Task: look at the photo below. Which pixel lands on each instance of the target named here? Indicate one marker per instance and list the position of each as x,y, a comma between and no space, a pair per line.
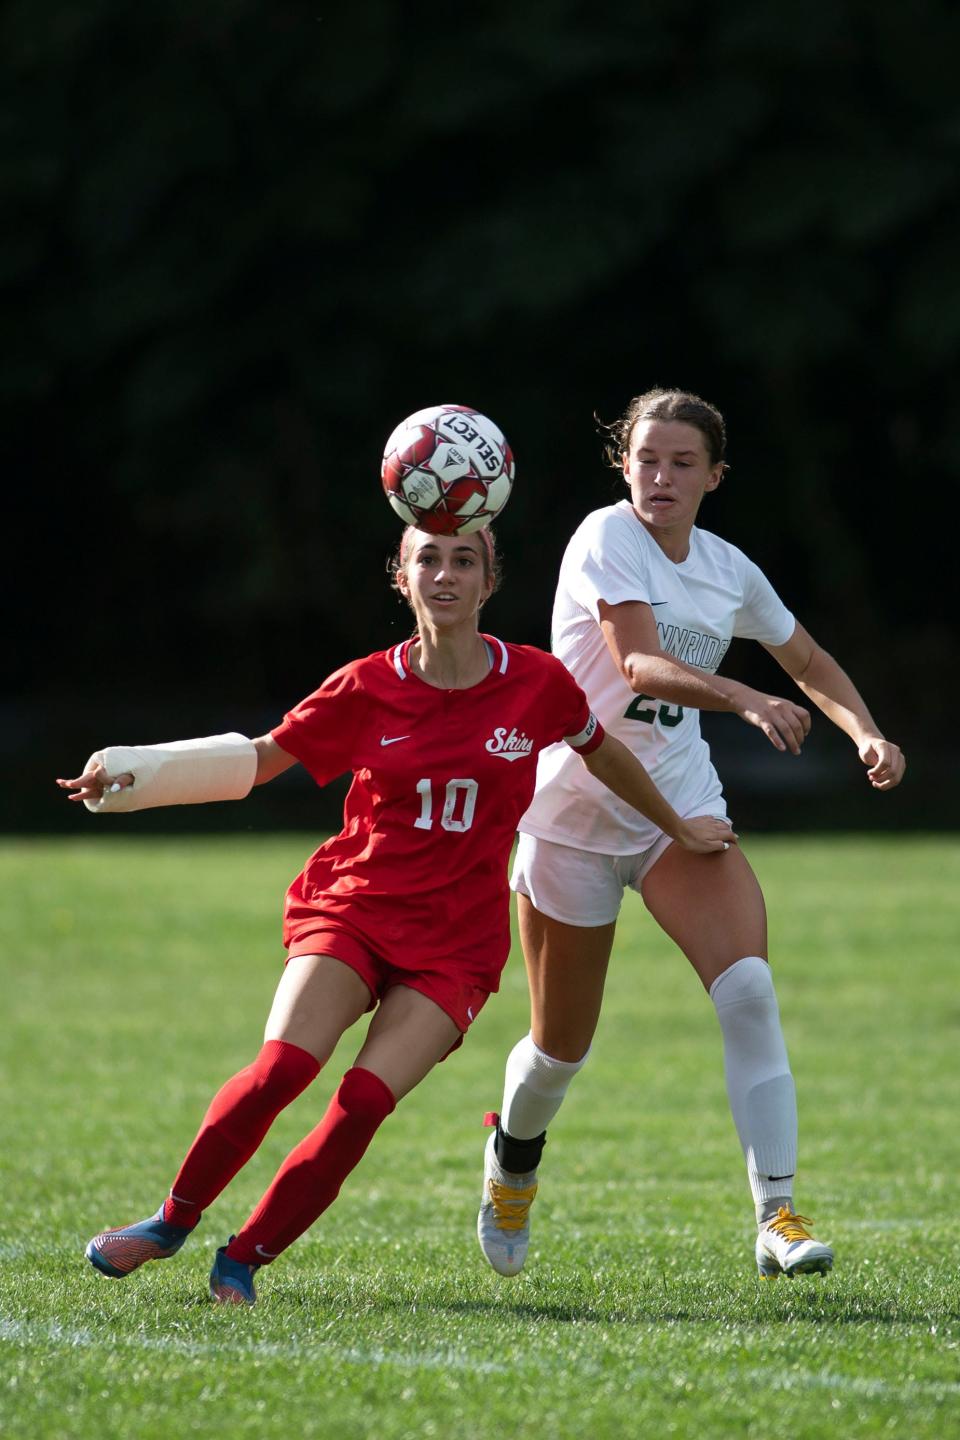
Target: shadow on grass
316,1311
813,1309
790,1303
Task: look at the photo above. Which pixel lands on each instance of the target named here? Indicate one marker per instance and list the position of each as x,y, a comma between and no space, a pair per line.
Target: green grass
136,977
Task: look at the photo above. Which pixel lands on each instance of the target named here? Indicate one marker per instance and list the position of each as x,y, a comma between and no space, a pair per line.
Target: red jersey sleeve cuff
589,737
285,735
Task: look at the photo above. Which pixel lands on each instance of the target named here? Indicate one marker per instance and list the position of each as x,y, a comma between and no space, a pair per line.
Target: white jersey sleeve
762,615
603,562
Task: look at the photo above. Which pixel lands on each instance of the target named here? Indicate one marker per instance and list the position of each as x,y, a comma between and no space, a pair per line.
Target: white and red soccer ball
447,470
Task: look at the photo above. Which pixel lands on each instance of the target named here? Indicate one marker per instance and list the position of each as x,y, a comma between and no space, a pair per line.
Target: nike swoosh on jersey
394,739
658,602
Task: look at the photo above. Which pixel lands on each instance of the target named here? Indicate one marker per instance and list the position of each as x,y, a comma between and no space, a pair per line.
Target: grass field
136,976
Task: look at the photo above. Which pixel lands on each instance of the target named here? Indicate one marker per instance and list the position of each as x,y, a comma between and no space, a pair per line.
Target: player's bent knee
747,979
362,1095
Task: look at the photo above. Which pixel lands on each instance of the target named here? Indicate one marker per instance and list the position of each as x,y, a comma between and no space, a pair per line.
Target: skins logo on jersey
508,745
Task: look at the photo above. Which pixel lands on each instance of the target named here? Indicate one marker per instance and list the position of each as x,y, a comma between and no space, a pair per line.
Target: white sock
759,1082
533,1089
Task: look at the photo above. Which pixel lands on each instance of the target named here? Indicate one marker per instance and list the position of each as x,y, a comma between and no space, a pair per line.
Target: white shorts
578,887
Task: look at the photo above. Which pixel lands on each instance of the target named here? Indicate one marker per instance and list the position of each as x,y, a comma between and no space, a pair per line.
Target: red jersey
440,781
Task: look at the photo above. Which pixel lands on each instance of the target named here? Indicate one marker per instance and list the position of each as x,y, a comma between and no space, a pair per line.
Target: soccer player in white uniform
646,607
406,911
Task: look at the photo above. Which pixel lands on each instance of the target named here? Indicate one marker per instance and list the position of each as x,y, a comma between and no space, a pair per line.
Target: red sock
239,1116
310,1178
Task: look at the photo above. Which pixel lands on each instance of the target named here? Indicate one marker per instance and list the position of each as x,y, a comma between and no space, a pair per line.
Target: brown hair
488,548
661,404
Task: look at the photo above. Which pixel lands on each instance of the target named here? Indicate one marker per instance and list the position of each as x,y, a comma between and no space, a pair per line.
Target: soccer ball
447,470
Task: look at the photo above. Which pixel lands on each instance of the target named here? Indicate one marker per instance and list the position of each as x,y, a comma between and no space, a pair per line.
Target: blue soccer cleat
119,1252
231,1281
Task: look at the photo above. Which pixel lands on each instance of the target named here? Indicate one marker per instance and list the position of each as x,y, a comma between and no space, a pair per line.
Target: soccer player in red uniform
405,912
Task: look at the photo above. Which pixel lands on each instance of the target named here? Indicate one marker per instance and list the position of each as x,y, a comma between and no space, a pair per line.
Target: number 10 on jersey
451,803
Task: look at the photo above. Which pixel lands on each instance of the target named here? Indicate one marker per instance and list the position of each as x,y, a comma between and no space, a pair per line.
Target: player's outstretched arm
830,688
620,770
183,772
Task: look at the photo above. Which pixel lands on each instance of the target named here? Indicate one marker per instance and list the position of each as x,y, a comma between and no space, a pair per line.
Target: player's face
669,472
445,578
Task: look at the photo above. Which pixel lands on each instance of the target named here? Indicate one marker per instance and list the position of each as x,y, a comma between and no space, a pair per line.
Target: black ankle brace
518,1156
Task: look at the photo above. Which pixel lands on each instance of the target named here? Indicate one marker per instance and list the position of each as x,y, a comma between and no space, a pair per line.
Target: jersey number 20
448,817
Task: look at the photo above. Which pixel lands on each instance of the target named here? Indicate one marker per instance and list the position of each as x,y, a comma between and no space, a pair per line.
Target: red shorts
457,995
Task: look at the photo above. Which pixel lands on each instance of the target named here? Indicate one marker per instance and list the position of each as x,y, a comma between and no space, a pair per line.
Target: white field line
73,1337
919,1223
27,1335
852,1384
17,1249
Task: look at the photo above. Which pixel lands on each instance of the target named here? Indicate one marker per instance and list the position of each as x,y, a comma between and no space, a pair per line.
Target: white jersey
699,605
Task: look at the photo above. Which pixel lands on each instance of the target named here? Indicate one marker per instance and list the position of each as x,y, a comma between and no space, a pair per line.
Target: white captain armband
589,738
185,772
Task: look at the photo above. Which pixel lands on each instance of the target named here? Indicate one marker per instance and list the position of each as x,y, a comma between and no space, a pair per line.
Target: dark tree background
244,239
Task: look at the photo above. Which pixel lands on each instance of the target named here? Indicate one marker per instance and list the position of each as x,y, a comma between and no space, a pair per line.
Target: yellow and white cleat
503,1225
786,1247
